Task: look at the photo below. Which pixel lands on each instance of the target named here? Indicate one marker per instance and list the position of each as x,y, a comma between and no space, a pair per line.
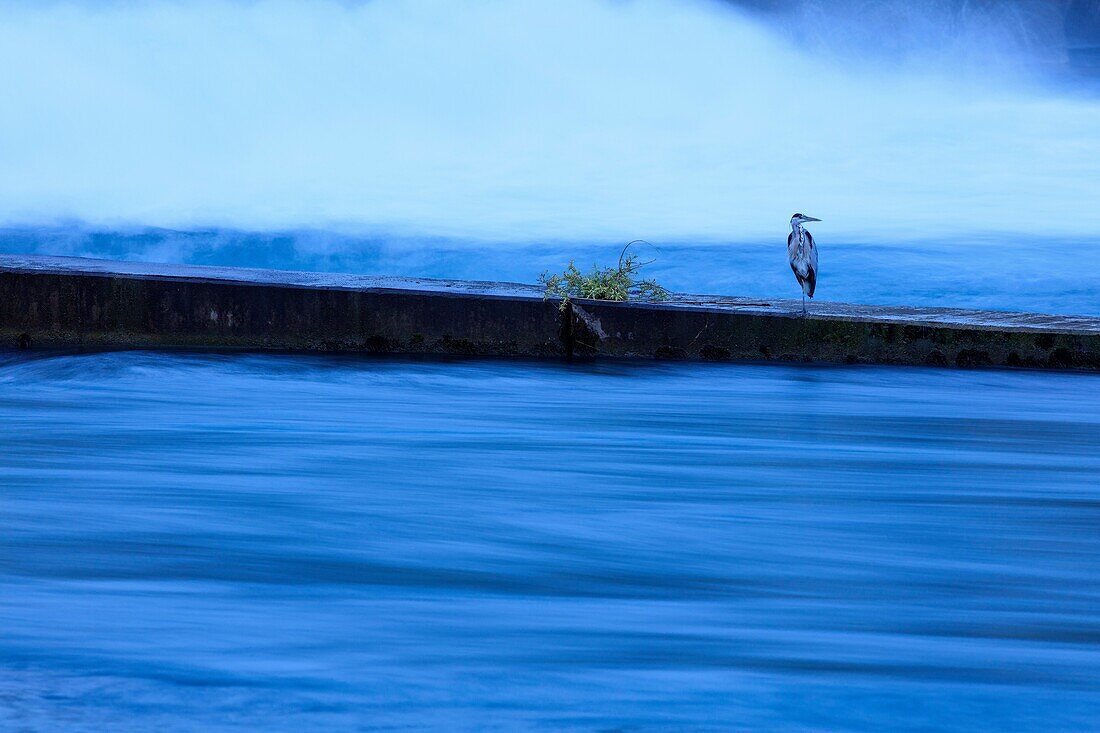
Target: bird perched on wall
802,254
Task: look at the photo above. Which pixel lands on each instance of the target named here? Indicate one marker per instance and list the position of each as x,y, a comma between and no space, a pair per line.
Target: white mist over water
568,119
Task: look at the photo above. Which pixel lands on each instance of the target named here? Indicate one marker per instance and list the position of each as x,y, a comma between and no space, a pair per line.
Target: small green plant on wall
604,283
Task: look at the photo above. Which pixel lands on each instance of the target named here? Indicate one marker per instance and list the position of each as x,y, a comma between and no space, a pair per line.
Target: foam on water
662,119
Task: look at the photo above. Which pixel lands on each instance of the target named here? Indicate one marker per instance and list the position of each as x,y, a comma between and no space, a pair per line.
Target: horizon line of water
990,272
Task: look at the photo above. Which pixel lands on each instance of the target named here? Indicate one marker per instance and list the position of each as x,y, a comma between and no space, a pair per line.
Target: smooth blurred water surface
598,120
208,542
215,543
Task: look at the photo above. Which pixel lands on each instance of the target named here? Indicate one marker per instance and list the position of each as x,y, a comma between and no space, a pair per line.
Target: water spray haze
514,121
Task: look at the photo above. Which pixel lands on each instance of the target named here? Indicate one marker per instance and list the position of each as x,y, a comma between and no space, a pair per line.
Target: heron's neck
796,228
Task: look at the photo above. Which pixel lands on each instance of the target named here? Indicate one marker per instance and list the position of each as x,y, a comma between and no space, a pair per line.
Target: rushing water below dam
195,542
210,542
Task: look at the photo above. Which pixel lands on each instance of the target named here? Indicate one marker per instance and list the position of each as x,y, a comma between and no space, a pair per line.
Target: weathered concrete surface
82,303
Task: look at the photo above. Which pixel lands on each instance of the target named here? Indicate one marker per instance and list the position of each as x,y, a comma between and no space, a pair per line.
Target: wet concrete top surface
998,320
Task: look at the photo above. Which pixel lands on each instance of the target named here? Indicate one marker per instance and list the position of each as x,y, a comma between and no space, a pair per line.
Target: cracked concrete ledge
78,303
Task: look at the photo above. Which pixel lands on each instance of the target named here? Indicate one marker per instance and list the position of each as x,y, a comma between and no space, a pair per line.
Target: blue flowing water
207,542
223,543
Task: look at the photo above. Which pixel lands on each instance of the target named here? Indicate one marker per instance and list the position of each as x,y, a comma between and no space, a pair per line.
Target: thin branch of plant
604,283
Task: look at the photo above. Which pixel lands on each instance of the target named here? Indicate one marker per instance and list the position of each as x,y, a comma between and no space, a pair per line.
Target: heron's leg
803,303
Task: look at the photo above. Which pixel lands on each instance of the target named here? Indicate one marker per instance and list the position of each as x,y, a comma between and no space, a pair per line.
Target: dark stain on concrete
1062,358
670,352
935,357
710,352
92,310
970,358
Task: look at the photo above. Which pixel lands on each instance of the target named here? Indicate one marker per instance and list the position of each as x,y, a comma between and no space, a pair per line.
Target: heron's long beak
809,218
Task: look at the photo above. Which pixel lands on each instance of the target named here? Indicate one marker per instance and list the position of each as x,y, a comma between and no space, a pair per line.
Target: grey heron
802,254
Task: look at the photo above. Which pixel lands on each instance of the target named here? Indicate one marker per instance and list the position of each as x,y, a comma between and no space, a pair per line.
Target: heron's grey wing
797,276
811,278
811,261
792,257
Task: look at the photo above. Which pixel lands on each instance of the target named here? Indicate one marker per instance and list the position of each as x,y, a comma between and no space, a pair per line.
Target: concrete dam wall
76,303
